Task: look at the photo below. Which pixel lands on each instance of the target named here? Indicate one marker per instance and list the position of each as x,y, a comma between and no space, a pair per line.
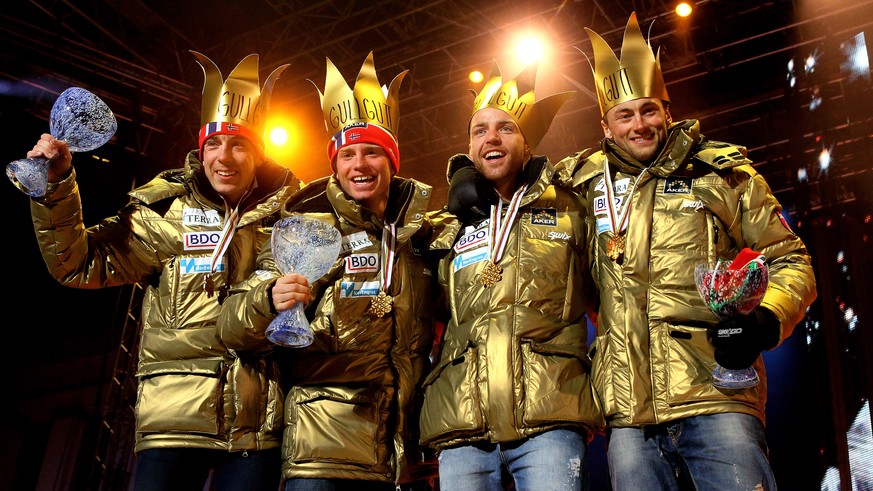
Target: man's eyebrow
500,122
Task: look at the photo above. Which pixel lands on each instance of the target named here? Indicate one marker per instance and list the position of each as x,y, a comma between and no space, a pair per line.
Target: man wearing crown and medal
353,396
662,198
187,235
510,393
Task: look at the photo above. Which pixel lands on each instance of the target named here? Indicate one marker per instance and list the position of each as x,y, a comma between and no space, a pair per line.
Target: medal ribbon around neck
499,230
388,243
381,304
618,222
230,223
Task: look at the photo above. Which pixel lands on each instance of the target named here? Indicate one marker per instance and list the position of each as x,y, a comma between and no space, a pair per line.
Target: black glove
470,195
739,340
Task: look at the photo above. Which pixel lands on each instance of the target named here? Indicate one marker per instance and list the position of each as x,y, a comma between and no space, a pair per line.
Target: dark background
71,352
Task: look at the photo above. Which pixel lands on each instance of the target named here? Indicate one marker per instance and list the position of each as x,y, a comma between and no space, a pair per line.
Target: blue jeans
553,460
717,451
299,484
186,469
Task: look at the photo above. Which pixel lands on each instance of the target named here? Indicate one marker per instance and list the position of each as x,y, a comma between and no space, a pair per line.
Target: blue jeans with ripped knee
555,460
725,451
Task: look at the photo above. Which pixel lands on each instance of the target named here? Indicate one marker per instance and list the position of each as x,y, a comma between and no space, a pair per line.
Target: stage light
683,9
790,75
476,76
278,136
815,98
801,174
297,144
857,62
824,160
529,49
810,62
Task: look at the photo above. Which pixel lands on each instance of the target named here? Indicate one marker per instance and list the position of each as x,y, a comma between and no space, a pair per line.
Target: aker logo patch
678,185
544,216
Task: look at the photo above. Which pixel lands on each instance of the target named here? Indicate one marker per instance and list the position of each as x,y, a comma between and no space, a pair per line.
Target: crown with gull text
636,75
237,105
516,98
369,113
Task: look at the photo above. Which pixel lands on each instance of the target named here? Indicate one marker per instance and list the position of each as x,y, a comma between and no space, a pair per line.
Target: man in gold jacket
201,407
510,393
353,395
662,199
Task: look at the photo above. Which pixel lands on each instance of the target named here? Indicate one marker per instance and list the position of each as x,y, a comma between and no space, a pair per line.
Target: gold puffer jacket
514,359
700,200
353,396
193,392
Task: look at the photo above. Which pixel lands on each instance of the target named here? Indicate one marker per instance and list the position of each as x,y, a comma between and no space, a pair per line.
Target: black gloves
739,340
470,195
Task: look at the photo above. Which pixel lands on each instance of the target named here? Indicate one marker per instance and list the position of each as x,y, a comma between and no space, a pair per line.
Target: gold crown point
636,75
367,102
516,98
239,99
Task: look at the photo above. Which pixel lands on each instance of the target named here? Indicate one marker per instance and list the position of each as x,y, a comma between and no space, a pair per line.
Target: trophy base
290,339
724,378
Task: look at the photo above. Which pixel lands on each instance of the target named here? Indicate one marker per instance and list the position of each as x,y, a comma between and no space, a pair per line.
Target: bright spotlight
824,159
529,49
856,63
278,136
476,76
683,9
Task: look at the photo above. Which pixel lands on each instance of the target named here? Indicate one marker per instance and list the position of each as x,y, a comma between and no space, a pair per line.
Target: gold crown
367,103
637,75
516,98
239,99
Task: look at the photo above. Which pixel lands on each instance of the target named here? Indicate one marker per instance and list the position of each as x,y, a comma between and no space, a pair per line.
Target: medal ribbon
499,230
388,243
230,222
618,223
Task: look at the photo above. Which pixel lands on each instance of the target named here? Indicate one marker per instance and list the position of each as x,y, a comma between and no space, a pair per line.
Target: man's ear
669,116
606,132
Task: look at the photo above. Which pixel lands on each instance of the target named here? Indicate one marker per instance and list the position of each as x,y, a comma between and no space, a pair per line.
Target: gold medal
490,275
615,247
381,304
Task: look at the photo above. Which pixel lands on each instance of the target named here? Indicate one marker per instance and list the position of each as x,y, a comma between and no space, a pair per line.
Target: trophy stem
31,174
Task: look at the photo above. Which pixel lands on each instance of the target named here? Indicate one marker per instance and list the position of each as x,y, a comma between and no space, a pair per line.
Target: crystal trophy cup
78,117
308,247
730,290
